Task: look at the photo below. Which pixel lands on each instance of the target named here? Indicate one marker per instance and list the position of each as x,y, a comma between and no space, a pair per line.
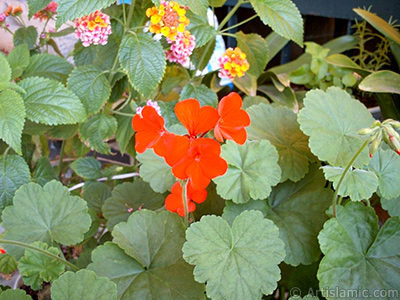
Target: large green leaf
14,172
392,206
381,82
48,214
83,284
25,35
386,165
36,5
127,198
44,172
247,84
69,10
144,61
200,28
98,129
202,93
256,50
12,119
154,240
283,17
5,69
357,256
358,184
87,167
49,102
155,171
14,295
279,126
91,86
332,119
238,262
18,59
95,193
252,170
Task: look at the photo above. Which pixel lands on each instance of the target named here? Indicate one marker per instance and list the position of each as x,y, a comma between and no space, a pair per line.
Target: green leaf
217,3
12,119
284,97
344,61
199,7
328,118
202,93
8,264
69,287
44,172
386,165
14,295
358,184
49,102
381,82
144,61
252,170
98,129
155,171
214,204
95,193
69,10
36,5
283,17
392,206
279,126
200,28
91,86
63,131
18,59
54,216
14,172
202,55
36,267
247,84
357,256
124,131
11,85
5,69
275,44
221,254
256,49
48,66
249,101
127,198
87,167
25,35
154,239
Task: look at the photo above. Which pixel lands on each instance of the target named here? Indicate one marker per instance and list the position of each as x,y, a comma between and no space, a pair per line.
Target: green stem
120,113
131,9
61,158
282,293
112,71
239,24
184,196
124,11
335,195
44,252
229,15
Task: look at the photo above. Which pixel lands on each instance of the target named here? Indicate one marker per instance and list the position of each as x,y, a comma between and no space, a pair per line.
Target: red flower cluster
192,157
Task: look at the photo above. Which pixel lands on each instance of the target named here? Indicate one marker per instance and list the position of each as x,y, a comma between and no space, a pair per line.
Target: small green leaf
18,59
252,170
44,172
199,7
202,93
247,84
14,295
95,193
69,287
5,69
200,28
8,264
124,131
98,129
87,167
328,118
127,198
221,254
36,267
392,206
381,82
283,17
36,5
144,61
344,61
49,102
25,35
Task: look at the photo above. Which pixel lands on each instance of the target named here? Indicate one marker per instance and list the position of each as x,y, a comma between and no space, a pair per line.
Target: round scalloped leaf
49,102
202,93
357,255
252,170
332,119
95,193
392,206
14,295
83,284
143,59
48,214
279,126
358,184
386,165
238,262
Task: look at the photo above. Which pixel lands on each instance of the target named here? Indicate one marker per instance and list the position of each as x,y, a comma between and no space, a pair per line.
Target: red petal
232,101
199,180
177,149
144,140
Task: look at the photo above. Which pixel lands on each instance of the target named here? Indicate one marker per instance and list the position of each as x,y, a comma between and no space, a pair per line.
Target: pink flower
93,29
181,48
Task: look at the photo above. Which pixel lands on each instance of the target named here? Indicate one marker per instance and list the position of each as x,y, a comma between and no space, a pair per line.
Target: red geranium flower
174,201
232,120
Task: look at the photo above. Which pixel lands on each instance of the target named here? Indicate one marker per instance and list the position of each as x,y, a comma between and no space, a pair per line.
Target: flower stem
184,196
229,15
239,24
61,158
131,9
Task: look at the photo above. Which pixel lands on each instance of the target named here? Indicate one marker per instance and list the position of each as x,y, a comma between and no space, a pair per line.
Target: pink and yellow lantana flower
93,29
233,63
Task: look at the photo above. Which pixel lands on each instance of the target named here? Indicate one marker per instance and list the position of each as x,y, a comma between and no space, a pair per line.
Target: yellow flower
233,63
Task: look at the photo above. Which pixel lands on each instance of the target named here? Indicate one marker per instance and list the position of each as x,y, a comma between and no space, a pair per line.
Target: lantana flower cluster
93,29
193,158
10,11
48,12
233,63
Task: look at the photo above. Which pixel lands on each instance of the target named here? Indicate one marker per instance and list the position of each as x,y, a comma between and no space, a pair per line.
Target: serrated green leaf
36,5
202,93
87,167
200,28
14,172
95,193
279,126
381,82
5,69
49,102
63,131
144,61
47,214
392,206
11,85
283,17
8,264
252,170
18,59
358,184
14,295
221,254
91,86
199,7
36,267
124,131
12,119
386,165
256,50
48,66
127,198
98,129
44,172
69,287
155,171
357,256
69,10
328,118
25,35
157,240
